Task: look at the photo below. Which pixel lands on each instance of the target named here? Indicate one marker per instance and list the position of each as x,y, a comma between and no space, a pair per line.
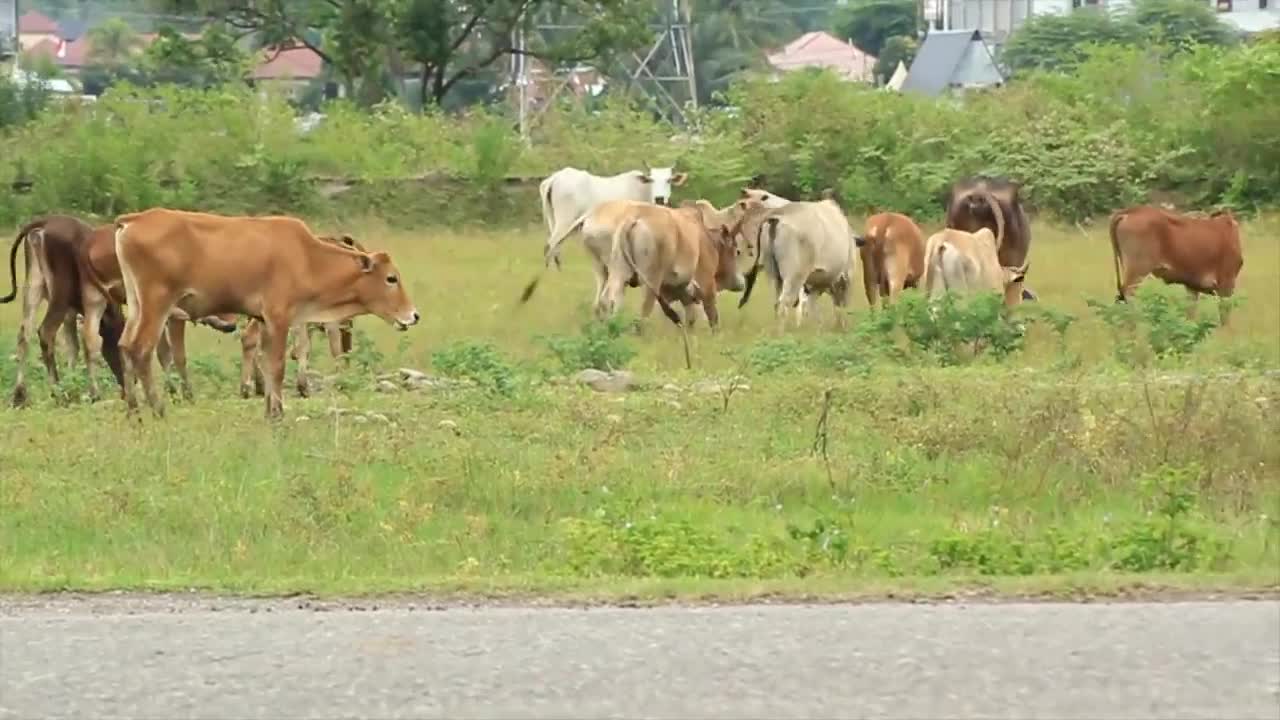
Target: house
951,60
823,50
72,56
289,69
35,27
997,19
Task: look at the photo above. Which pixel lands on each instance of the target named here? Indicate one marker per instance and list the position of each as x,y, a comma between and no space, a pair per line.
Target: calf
338,333
270,268
568,194
1201,254
892,252
805,248
674,256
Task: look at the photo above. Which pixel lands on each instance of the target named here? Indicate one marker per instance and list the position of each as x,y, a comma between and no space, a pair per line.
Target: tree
212,59
899,48
112,44
451,41
1059,42
732,36
870,23
1181,23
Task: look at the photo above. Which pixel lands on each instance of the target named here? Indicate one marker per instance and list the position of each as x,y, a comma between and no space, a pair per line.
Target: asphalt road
154,658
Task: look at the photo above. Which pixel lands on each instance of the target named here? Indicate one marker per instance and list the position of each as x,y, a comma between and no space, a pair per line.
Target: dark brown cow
971,205
51,247
272,268
1202,254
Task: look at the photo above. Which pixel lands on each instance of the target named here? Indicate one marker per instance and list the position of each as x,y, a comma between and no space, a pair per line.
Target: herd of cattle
172,267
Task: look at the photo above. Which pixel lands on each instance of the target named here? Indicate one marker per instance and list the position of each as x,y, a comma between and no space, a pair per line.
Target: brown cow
272,268
338,334
102,287
971,205
51,249
1201,254
892,252
674,256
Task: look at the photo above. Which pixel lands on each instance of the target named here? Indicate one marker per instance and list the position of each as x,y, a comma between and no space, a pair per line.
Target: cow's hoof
246,390
304,390
20,397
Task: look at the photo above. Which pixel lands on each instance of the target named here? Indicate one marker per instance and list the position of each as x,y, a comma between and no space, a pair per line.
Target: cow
674,256
102,290
568,194
1201,254
758,196
806,248
338,334
967,262
892,252
51,249
271,268
971,204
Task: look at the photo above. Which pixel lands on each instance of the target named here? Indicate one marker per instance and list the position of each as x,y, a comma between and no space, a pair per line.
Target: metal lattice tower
665,73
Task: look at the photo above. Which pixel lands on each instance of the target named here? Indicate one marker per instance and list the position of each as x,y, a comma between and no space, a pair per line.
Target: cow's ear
745,192
348,241
644,178
679,178
366,263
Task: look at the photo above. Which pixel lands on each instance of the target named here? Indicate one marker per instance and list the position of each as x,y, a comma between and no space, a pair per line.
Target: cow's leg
713,313
142,334
95,305
275,335
177,333
32,294
601,272
55,313
164,356
250,373
840,300
71,338
333,333
870,282
302,355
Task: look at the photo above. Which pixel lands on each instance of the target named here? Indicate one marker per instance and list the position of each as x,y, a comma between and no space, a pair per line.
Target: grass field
1057,467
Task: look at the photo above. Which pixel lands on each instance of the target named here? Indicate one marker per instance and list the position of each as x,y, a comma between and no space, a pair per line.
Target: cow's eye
392,279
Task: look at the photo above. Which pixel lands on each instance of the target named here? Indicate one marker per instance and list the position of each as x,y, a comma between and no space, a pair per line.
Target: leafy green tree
1181,23
211,59
870,23
1060,42
899,48
731,37
113,44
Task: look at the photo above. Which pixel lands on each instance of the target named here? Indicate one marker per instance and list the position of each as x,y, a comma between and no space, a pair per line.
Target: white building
998,18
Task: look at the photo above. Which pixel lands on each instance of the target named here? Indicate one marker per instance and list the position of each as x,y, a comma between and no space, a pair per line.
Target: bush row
1127,123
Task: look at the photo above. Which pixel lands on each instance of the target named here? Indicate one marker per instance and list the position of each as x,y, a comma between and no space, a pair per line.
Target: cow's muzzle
665,202
403,324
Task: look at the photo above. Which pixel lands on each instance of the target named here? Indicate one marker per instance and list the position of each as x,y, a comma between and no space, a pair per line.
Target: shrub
599,345
478,362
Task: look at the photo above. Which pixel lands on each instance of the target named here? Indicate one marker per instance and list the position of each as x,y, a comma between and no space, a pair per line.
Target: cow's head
661,180
1012,276
728,275
381,291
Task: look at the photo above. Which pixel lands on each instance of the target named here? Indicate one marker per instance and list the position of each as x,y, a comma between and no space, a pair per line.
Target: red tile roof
820,49
34,21
296,62
79,51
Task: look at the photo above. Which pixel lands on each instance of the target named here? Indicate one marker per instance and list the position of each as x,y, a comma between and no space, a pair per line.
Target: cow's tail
552,249
548,207
13,257
932,263
770,263
626,244
1116,218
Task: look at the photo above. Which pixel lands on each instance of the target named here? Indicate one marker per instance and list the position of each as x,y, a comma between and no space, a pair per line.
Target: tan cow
338,334
1201,254
964,263
272,268
892,252
674,256
102,284
806,248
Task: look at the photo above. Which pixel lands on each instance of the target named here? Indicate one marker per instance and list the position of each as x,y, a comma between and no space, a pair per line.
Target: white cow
569,194
805,248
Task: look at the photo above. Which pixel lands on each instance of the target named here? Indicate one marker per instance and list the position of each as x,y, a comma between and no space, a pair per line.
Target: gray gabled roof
940,56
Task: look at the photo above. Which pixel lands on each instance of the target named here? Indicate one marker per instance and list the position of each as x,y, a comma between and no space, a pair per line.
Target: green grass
1054,469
